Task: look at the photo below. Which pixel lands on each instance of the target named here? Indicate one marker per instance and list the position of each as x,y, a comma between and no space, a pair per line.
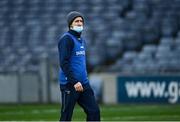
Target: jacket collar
74,33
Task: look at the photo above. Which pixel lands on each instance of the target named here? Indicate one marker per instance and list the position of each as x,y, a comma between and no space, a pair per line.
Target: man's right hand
78,87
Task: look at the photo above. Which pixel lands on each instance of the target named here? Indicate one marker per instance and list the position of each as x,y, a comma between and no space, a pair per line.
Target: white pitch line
141,117
30,112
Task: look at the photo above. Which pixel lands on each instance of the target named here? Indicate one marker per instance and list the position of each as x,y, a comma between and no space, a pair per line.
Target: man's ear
70,26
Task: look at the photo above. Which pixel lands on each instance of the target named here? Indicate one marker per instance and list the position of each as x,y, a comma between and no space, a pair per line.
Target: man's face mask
77,28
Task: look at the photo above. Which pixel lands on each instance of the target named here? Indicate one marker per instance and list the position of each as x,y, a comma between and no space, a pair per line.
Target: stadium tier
136,36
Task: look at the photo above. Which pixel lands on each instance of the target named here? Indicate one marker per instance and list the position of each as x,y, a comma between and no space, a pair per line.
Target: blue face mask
77,28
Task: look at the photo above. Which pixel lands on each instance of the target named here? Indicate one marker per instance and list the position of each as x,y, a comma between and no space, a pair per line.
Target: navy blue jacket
70,56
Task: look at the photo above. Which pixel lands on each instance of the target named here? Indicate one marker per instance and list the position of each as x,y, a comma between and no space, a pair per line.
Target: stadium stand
132,36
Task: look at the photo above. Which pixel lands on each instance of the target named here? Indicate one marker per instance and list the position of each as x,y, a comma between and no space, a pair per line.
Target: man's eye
78,21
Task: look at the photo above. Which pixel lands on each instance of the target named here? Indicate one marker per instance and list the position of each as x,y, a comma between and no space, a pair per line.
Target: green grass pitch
121,112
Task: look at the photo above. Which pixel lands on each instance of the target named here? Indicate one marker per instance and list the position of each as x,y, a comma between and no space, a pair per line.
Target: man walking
73,78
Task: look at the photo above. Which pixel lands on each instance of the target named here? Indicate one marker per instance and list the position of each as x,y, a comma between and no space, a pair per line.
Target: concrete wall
30,88
9,88
27,88
109,89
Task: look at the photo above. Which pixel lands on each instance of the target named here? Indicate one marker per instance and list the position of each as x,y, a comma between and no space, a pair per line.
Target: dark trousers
85,99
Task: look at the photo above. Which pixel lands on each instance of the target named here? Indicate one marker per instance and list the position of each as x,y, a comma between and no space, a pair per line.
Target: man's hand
78,87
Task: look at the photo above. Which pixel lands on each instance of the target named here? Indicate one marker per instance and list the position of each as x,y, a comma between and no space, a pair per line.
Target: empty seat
150,49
